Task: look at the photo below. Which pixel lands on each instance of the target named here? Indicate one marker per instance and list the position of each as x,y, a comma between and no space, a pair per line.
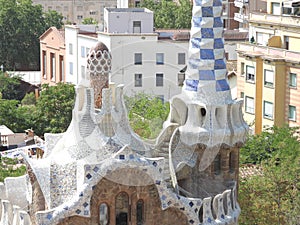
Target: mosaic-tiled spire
206,79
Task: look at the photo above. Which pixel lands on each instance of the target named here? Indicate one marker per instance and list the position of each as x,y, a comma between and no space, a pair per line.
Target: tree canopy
51,112
10,87
169,14
21,25
272,197
54,108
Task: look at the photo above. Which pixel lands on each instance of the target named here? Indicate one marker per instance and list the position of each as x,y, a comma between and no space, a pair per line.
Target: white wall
121,20
71,41
85,42
123,48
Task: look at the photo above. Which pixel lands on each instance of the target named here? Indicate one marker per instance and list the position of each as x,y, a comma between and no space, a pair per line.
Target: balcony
240,18
270,53
241,3
281,20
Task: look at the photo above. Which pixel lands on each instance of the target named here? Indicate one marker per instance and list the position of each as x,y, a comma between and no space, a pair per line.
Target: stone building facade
100,172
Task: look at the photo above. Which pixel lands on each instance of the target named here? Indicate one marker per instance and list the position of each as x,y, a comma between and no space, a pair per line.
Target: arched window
122,209
103,214
217,164
140,212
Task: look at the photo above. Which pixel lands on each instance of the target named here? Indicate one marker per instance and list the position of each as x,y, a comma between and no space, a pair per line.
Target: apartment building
245,7
269,67
52,56
144,60
74,11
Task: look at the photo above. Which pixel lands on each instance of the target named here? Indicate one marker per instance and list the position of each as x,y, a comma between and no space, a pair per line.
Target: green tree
89,20
54,108
168,14
272,197
53,19
21,24
10,87
146,114
14,116
29,99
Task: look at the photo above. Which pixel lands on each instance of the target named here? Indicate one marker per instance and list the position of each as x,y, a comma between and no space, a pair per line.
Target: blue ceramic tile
206,75
191,85
207,54
222,85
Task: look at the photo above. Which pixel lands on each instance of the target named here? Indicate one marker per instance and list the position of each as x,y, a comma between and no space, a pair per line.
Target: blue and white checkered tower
206,79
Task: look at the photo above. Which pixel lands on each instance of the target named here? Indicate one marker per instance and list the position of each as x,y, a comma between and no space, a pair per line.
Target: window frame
291,85
52,66
138,61
181,60
159,79
44,53
160,58
250,78
295,113
70,48
138,80
71,65
252,109
269,84
106,214
242,69
83,52
270,117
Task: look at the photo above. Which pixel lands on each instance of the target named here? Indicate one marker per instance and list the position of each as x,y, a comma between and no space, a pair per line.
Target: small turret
99,67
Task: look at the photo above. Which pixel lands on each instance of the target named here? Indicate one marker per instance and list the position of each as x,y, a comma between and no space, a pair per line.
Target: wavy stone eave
209,125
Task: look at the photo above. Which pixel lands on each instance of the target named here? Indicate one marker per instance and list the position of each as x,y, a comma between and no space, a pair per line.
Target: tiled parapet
16,214
7,213
18,186
219,209
24,218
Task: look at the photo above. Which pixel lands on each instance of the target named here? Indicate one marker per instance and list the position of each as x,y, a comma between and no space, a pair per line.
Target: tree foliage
146,114
169,14
274,196
89,20
51,112
54,108
10,87
21,24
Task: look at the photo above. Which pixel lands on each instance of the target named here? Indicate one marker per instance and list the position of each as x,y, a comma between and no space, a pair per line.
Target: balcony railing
240,3
240,17
286,20
269,52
